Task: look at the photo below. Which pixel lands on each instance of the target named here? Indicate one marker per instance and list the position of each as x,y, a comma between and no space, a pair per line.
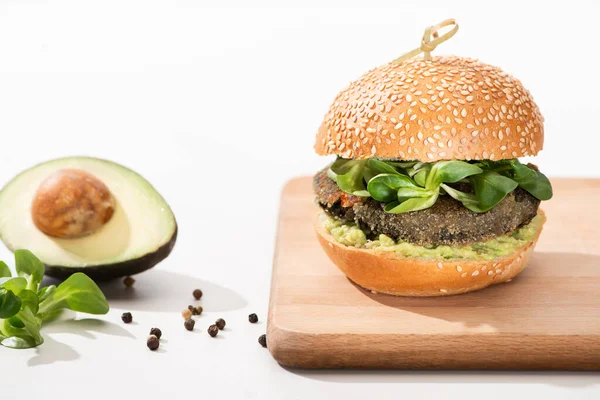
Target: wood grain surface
546,318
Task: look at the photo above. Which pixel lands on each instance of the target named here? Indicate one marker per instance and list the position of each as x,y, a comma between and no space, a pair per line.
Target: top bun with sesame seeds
447,108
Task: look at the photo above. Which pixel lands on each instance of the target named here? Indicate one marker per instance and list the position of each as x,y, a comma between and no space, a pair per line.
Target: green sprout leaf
77,293
348,174
405,193
420,176
15,285
491,188
381,167
29,299
536,183
23,307
4,270
384,187
16,322
413,204
521,173
467,199
10,303
28,266
32,325
450,172
45,292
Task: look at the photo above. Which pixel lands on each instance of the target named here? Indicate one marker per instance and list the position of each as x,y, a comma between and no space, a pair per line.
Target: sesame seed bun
449,108
391,273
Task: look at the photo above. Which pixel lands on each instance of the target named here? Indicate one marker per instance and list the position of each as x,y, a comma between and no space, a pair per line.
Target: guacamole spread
351,235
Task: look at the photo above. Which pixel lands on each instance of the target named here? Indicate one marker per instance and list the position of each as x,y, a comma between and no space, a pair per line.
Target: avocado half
140,234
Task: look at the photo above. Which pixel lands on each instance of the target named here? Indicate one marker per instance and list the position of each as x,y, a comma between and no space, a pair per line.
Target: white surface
217,108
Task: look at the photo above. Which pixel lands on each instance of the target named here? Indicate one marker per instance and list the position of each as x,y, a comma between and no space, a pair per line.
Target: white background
217,107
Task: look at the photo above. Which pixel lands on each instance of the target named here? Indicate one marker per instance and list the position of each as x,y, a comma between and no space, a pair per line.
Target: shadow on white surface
159,290
53,351
551,378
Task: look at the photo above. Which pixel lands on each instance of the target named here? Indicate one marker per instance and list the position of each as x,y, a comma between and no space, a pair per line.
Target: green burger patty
446,223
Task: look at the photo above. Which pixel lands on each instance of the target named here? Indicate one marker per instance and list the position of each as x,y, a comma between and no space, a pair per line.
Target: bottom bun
391,273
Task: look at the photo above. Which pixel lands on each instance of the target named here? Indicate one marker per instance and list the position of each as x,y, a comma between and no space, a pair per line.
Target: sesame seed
458,268
490,272
475,273
440,265
443,290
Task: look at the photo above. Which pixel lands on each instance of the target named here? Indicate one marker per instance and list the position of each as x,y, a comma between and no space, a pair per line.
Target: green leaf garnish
77,293
29,267
536,183
384,187
413,204
23,307
348,174
406,186
10,303
15,285
381,167
450,172
491,188
4,270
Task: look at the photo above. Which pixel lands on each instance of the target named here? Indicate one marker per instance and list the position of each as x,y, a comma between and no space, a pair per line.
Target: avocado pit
71,203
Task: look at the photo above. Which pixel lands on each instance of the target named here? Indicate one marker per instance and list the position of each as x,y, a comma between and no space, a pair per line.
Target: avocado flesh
140,234
351,235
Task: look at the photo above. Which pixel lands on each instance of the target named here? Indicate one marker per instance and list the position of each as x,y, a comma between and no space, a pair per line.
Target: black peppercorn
152,342
128,282
196,310
156,332
127,317
220,323
253,318
262,339
197,294
189,324
213,330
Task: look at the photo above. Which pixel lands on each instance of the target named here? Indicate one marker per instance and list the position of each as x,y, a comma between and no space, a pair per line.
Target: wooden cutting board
546,318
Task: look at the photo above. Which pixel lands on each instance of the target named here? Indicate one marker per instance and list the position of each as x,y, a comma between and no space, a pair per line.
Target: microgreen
24,306
405,186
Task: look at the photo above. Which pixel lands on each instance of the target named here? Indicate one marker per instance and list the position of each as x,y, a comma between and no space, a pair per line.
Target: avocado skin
107,272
